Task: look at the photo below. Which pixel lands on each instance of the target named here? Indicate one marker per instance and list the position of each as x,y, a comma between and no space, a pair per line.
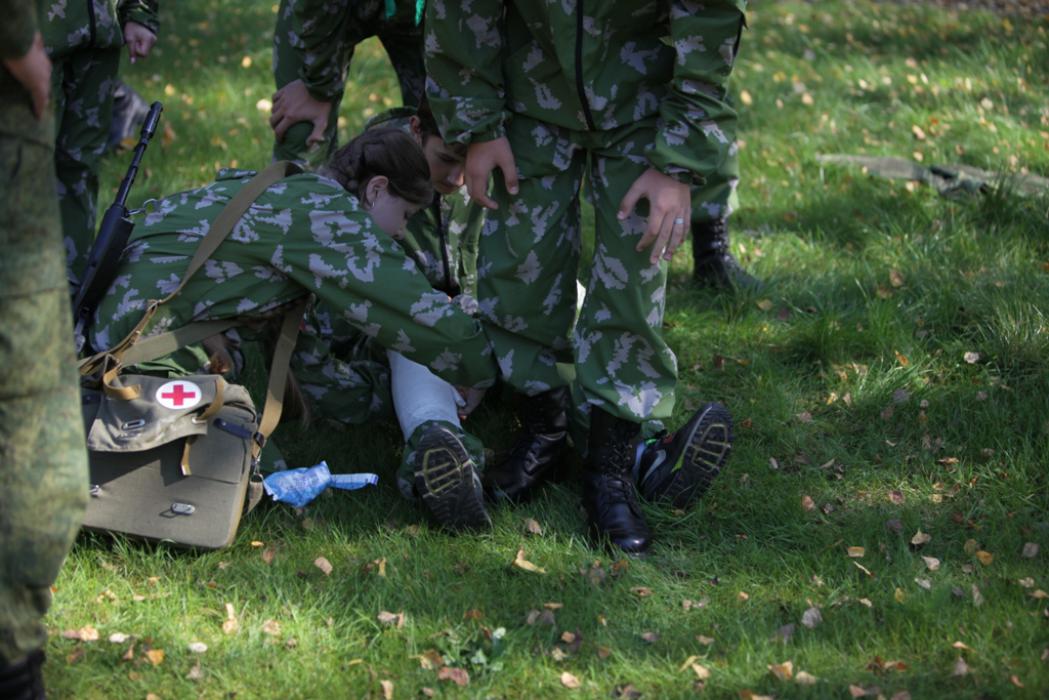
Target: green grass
854,388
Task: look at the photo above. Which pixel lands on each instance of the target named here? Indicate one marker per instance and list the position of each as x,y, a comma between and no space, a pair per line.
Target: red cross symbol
178,395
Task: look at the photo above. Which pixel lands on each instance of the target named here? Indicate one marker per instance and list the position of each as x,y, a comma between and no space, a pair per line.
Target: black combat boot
609,494
678,468
715,266
446,479
537,451
23,680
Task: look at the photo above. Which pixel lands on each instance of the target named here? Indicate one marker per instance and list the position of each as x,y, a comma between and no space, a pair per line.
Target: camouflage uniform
590,92
43,466
314,41
346,374
305,234
83,38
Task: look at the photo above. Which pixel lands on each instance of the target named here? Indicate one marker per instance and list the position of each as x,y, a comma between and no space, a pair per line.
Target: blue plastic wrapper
298,487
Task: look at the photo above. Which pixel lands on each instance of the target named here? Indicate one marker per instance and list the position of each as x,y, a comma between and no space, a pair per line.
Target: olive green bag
176,460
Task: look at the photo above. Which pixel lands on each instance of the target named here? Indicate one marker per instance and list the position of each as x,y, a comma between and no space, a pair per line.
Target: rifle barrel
149,127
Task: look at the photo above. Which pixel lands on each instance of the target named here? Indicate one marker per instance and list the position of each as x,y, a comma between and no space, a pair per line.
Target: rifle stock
112,238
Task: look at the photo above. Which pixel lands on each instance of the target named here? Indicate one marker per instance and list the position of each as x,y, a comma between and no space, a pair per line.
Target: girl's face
390,213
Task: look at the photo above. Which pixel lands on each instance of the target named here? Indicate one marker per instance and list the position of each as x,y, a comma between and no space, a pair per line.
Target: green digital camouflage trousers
43,464
314,40
529,253
82,89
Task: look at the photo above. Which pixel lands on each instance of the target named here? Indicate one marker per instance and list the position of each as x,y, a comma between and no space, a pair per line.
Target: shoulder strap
218,232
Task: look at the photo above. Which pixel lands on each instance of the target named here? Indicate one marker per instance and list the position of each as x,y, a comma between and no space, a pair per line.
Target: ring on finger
679,221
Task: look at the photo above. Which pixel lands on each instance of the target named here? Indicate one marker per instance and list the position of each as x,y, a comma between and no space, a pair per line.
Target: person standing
313,44
631,100
43,463
84,41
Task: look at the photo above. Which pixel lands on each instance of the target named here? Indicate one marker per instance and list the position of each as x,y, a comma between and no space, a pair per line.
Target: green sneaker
447,481
680,466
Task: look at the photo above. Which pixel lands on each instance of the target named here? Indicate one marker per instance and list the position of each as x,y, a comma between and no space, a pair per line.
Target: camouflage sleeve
698,123
320,25
144,12
464,50
17,29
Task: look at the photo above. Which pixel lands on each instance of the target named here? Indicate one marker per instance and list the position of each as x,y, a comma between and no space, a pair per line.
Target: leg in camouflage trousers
82,86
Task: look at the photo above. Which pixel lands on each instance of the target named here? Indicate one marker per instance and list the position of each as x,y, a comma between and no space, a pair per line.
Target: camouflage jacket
303,235
95,24
584,66
443,238
16,107
320,27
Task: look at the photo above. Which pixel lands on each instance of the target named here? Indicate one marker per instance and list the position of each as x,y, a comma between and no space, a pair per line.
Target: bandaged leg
419,395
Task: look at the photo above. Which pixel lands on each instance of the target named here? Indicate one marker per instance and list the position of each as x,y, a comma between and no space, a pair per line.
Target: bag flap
150,411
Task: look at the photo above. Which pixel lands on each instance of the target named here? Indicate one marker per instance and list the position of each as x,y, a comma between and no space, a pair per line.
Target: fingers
283,124
477,187
41,96
507,164
630,200
317,135
681,226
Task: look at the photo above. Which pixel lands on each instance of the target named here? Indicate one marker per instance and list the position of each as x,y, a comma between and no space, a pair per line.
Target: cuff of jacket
147,19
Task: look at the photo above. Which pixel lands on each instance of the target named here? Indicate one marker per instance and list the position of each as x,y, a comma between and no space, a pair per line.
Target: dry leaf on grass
155,656
389,618
1030,550
807,503
323,564
271,627
195,673
459,676
118,638
230,625
783,671
920,538
985,558
805,678
197,647
811,618
387,689
641,591
863,568
569,681
533,527
960,668
521,563
931,563
856,552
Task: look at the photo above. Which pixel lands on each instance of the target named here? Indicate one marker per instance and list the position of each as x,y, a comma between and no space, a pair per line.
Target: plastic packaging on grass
297,487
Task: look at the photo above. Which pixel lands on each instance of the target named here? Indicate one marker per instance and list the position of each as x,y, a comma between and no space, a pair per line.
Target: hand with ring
669,212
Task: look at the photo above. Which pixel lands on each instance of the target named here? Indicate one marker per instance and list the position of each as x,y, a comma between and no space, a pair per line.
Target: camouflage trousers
43,463
347,378
402,42
529,254
82,88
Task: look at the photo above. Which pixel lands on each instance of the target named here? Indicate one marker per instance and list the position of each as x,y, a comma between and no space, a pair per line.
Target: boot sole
707,449
448,483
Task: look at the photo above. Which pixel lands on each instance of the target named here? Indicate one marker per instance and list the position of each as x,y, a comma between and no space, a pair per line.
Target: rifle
113,234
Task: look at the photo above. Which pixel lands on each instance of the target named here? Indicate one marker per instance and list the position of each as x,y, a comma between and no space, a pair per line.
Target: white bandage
419,395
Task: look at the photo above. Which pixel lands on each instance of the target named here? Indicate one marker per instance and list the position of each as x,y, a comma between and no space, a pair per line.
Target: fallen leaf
1039,594
324,565
569,681
896,497
901,695
807,503
856,552
532,526
931,563
118,638
129,655
985,557
387,689
1030,550
764,304
229,626
1026,582
899,595
977,596
866,602
811,617
703,639
195,673
920,538
895,278
1015,680
971,357
743,596
924,583
960,667
155,656
856,691
271,627
641,591
389,618
626,691
87,633
804,417
970,546
783,671
264,105
918,132
863,568
257,544
268,554
701,671
901,358
805,678
650,637
961,645
197,647
459,676
521,563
